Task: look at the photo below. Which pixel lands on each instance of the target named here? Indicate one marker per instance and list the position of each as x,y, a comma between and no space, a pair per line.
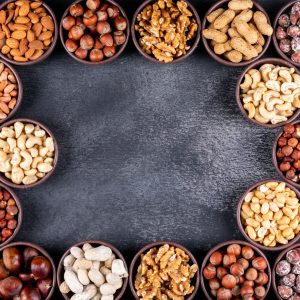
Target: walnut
165,273
166,29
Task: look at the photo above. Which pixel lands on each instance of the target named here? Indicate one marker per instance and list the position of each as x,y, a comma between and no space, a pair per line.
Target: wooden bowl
286,7
44,253
241,227
221,246
8,182
48,52
119,294
220,59
20,91
120,49
152,58
278,259
136,261
275,161
257,64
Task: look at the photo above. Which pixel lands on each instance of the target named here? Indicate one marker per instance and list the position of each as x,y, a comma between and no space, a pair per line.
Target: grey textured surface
147,151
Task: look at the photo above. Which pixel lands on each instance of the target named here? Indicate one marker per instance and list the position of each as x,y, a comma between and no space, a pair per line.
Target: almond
20,58
10,87
5,49
10,16
15,52
19,2
47,42
37,29
12,43
30,36
2,16
5,98
24,9
23,46
3,116
11,26
37,54
6,30
2,35
4,107
22,20
3,85
18,34
37,45
46,35
12,103
35,4
48,23
29,53
33,17
17,12
20,27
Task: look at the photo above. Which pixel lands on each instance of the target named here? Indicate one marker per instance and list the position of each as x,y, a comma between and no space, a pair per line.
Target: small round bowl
278,259
219,58
121,49
119,294
20,214
223,245
136,261
152,58
275,161
275,40
44,253
20,91
5,180
240,225
257,64
48,52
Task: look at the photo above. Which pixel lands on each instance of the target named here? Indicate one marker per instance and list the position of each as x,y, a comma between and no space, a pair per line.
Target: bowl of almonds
166,31
268,215
11,91
28,31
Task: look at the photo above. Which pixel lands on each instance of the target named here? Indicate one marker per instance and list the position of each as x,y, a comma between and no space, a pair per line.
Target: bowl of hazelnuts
94,32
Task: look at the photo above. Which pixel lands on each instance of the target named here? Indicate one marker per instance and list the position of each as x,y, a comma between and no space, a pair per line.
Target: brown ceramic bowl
119,294
284,9
20,214
152,58
44,253
136,261
204,282
220,59
5,180
63,35
20,91
48,52
275,161
257,64
278,259
241,227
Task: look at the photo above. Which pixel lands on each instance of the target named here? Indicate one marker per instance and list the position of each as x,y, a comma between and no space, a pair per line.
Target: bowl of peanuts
159,33
28,153
267,92
166,257
236,33
268,215
29,31
11,91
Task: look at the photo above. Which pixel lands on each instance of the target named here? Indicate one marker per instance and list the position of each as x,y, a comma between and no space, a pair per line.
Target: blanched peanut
119,268
101,253
114,279
107,289
72,281
69,260
96,277
83,276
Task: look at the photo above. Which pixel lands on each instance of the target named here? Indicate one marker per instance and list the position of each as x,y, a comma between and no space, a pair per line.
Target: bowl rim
44,253
132,270
115,250
227,243
9,183
269,60
20,214
274,158
274,38
20,90
152,58
104,61
219,58
278,259
45,54
239,222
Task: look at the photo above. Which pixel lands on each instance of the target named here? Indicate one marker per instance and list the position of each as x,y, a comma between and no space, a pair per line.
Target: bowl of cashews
268,92
28,153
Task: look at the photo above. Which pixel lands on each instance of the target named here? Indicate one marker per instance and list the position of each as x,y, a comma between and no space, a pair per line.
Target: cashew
44,167
32,141
40,174
272,102
3,156
29,128
21,142
273,75
34,152
29,179
287,87
25,165
258,94
36,161
18,126
273,85
265,113
49,144
265,70
17,175
30,172
251,109
49,160
43,151
247,82
256,78
296,78
270,94
259,118
8,132
286,75
278,119
39,133
16,157
285,106
12,144
247,98
8,175
5,166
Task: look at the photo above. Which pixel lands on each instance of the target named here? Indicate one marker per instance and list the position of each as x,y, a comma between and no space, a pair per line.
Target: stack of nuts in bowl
28,30
25,273
166,29
92,273
287,272
9,91
288,32
270,214
287,152
26,153
94,31
236,272
270,94
165,273
237,33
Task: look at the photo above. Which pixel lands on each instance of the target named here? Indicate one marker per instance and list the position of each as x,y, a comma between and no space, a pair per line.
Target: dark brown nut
10,287
284,292
120,23
293,31
296,57
96,55
295,44
87,42
281,33
295,13
113,11
107,40
30,293
12,259
284,20
76,10
102,15
109,51
68,22
103,27
283,268
71,45
285,46
40,267
289,280
81,53
293,256
119,38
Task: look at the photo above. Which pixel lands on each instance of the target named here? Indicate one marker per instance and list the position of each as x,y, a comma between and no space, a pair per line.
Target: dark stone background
147,151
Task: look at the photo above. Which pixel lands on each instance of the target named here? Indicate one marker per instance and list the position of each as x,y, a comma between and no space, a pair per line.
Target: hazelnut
209,271
68,22
98,44
288,128
259,263
279,153
96,55
12,224
6,232
90,21
224,294
120,23
107,40
296,154
102,15
290,174
293,142
81,53
247,252
113,11
216,258
103,27
234,249
76,10
251,274
260,291
104,7
262,278
229,259
119,38
221,272
246,290
87,42
284,166
287,150
297,164
228,281
93,4
3,223
214,284
76,32
282,141
71,45
244,262
249,283
12,210
109,51
236,269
